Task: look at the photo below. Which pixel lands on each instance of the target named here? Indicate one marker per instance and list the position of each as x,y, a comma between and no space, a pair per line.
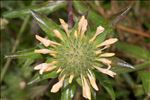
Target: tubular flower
76,56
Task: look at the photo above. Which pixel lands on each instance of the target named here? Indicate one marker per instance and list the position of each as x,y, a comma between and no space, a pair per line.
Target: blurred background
130,21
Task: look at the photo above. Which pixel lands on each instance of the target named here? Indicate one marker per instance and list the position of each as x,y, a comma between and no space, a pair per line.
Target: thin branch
70,14
131,30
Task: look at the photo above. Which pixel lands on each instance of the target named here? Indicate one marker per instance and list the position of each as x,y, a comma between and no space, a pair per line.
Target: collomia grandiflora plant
76,56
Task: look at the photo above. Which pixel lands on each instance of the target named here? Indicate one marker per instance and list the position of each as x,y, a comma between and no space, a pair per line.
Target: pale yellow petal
46,42
56,87
50,68
108,42
105,47
59,70
106,71
46,51
53,54
93,81
54,62
43,51
75,34
80,24
54,43
84,27
71,78
98,52
104,60
87,89
107,54
58,34
83,88
64,25
99,30
43,69
38,67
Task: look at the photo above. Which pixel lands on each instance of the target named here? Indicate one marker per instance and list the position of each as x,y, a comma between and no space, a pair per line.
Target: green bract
76,56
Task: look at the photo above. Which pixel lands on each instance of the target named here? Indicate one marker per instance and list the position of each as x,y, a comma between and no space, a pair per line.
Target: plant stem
6,66
70,14
133,31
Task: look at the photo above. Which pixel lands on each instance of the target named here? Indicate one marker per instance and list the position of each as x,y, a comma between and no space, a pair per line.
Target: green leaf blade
45,8
45,76
68,91
134,50
106,83
145,77
46,24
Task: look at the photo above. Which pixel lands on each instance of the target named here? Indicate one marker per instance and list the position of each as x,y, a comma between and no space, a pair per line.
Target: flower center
76,56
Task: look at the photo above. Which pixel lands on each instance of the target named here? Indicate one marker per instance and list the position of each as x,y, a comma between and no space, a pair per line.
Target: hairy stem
6,66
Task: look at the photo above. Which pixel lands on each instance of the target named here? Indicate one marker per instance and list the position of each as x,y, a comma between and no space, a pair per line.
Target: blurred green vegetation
20,82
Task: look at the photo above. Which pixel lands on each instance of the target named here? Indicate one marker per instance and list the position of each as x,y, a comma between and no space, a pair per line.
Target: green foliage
145,77
45,8
15,91
120,70
135,51
68,91
46,24
22,83
106,83
38,78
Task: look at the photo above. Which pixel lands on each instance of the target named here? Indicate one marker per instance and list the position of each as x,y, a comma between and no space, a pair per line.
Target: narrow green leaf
46,24
26,68
117,62
29,54
110,90
138,90
120,70
106,83
45,76
145,77
68,91
133,50
78,80
45,8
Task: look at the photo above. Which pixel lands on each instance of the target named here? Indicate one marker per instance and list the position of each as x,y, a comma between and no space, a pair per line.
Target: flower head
76,56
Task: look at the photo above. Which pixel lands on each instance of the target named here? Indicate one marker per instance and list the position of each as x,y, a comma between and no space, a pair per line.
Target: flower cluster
76,56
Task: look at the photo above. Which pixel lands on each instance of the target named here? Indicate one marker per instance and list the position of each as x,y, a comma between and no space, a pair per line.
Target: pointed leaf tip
125,64
46,24
32,12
